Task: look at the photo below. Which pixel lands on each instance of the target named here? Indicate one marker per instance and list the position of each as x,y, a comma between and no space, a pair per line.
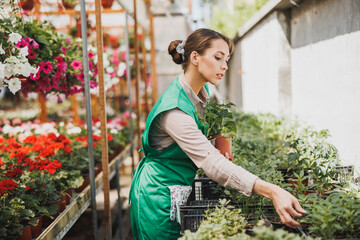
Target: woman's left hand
286,205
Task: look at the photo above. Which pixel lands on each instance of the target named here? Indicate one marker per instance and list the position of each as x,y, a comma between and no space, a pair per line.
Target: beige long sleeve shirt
176,125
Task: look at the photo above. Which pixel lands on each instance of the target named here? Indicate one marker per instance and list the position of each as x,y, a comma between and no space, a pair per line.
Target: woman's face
213,63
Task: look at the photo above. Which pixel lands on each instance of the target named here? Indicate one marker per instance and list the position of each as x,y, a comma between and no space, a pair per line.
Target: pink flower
93,84
35,77
123,56
68,40
32,54
32,43
22,43
59,59
126,115
80,76
63,50
91,55
90,65
46,67
76,64
16,121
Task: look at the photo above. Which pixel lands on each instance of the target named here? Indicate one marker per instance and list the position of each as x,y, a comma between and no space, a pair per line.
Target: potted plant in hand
220,125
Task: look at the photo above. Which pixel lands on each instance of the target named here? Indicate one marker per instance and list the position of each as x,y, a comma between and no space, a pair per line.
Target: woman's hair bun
176,57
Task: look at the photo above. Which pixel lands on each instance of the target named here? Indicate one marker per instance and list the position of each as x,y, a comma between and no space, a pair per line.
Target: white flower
74,130
24,52
14,85
114,81
114,131
2,71
109,69
121,70
97,132
14,37
7,129
8,70
4,14
21,69
7,1
2,50
12,59
61,124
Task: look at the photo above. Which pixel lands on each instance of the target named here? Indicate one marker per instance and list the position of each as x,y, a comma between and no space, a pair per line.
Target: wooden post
137,85
144,72
104,142
153,55
43,111
75,108
94,106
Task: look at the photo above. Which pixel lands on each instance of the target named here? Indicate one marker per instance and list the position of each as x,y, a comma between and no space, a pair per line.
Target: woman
175,146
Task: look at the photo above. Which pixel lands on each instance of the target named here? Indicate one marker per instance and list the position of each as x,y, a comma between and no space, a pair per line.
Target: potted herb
220,125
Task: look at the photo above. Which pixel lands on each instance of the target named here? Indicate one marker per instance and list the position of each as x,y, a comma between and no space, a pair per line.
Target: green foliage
229,23
219,119
221,223
337,216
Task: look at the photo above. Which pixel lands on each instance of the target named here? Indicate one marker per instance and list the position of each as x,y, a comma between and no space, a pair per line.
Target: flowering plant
35,58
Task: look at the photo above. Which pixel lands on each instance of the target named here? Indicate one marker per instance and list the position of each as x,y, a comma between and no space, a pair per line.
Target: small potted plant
220,125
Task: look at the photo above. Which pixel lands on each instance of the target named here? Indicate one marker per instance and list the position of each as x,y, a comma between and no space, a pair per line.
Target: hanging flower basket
69,4
107,3
27,4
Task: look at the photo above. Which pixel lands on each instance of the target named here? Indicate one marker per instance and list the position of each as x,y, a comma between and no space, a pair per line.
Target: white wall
326,90
259,65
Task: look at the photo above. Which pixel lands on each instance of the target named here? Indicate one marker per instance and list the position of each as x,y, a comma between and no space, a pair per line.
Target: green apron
157,171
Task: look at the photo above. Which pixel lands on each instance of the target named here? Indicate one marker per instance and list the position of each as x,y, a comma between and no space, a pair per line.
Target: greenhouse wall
303,61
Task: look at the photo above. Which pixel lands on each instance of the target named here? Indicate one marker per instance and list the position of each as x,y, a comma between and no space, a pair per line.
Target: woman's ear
194,58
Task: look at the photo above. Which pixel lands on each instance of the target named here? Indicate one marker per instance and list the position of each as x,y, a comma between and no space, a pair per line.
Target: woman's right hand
286,205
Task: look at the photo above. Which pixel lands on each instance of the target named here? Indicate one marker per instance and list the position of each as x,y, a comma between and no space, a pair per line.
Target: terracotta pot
27,4
107,3
36,230
26,234
84,185
67,5
58,204
62,203
224,145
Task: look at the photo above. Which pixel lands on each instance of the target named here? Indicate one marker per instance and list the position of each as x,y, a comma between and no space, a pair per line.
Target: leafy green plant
337,216
219,119
221,223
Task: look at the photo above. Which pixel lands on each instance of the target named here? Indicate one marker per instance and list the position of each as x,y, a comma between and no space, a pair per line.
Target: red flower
96,137
7,185
30,139
46,67
67,149
109,137
32,54
14,173
28,188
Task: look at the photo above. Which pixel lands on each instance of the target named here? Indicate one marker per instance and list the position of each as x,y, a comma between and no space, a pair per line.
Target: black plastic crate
205,189
192,214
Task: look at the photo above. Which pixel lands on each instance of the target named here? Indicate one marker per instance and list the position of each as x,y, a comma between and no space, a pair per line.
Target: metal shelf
80,202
